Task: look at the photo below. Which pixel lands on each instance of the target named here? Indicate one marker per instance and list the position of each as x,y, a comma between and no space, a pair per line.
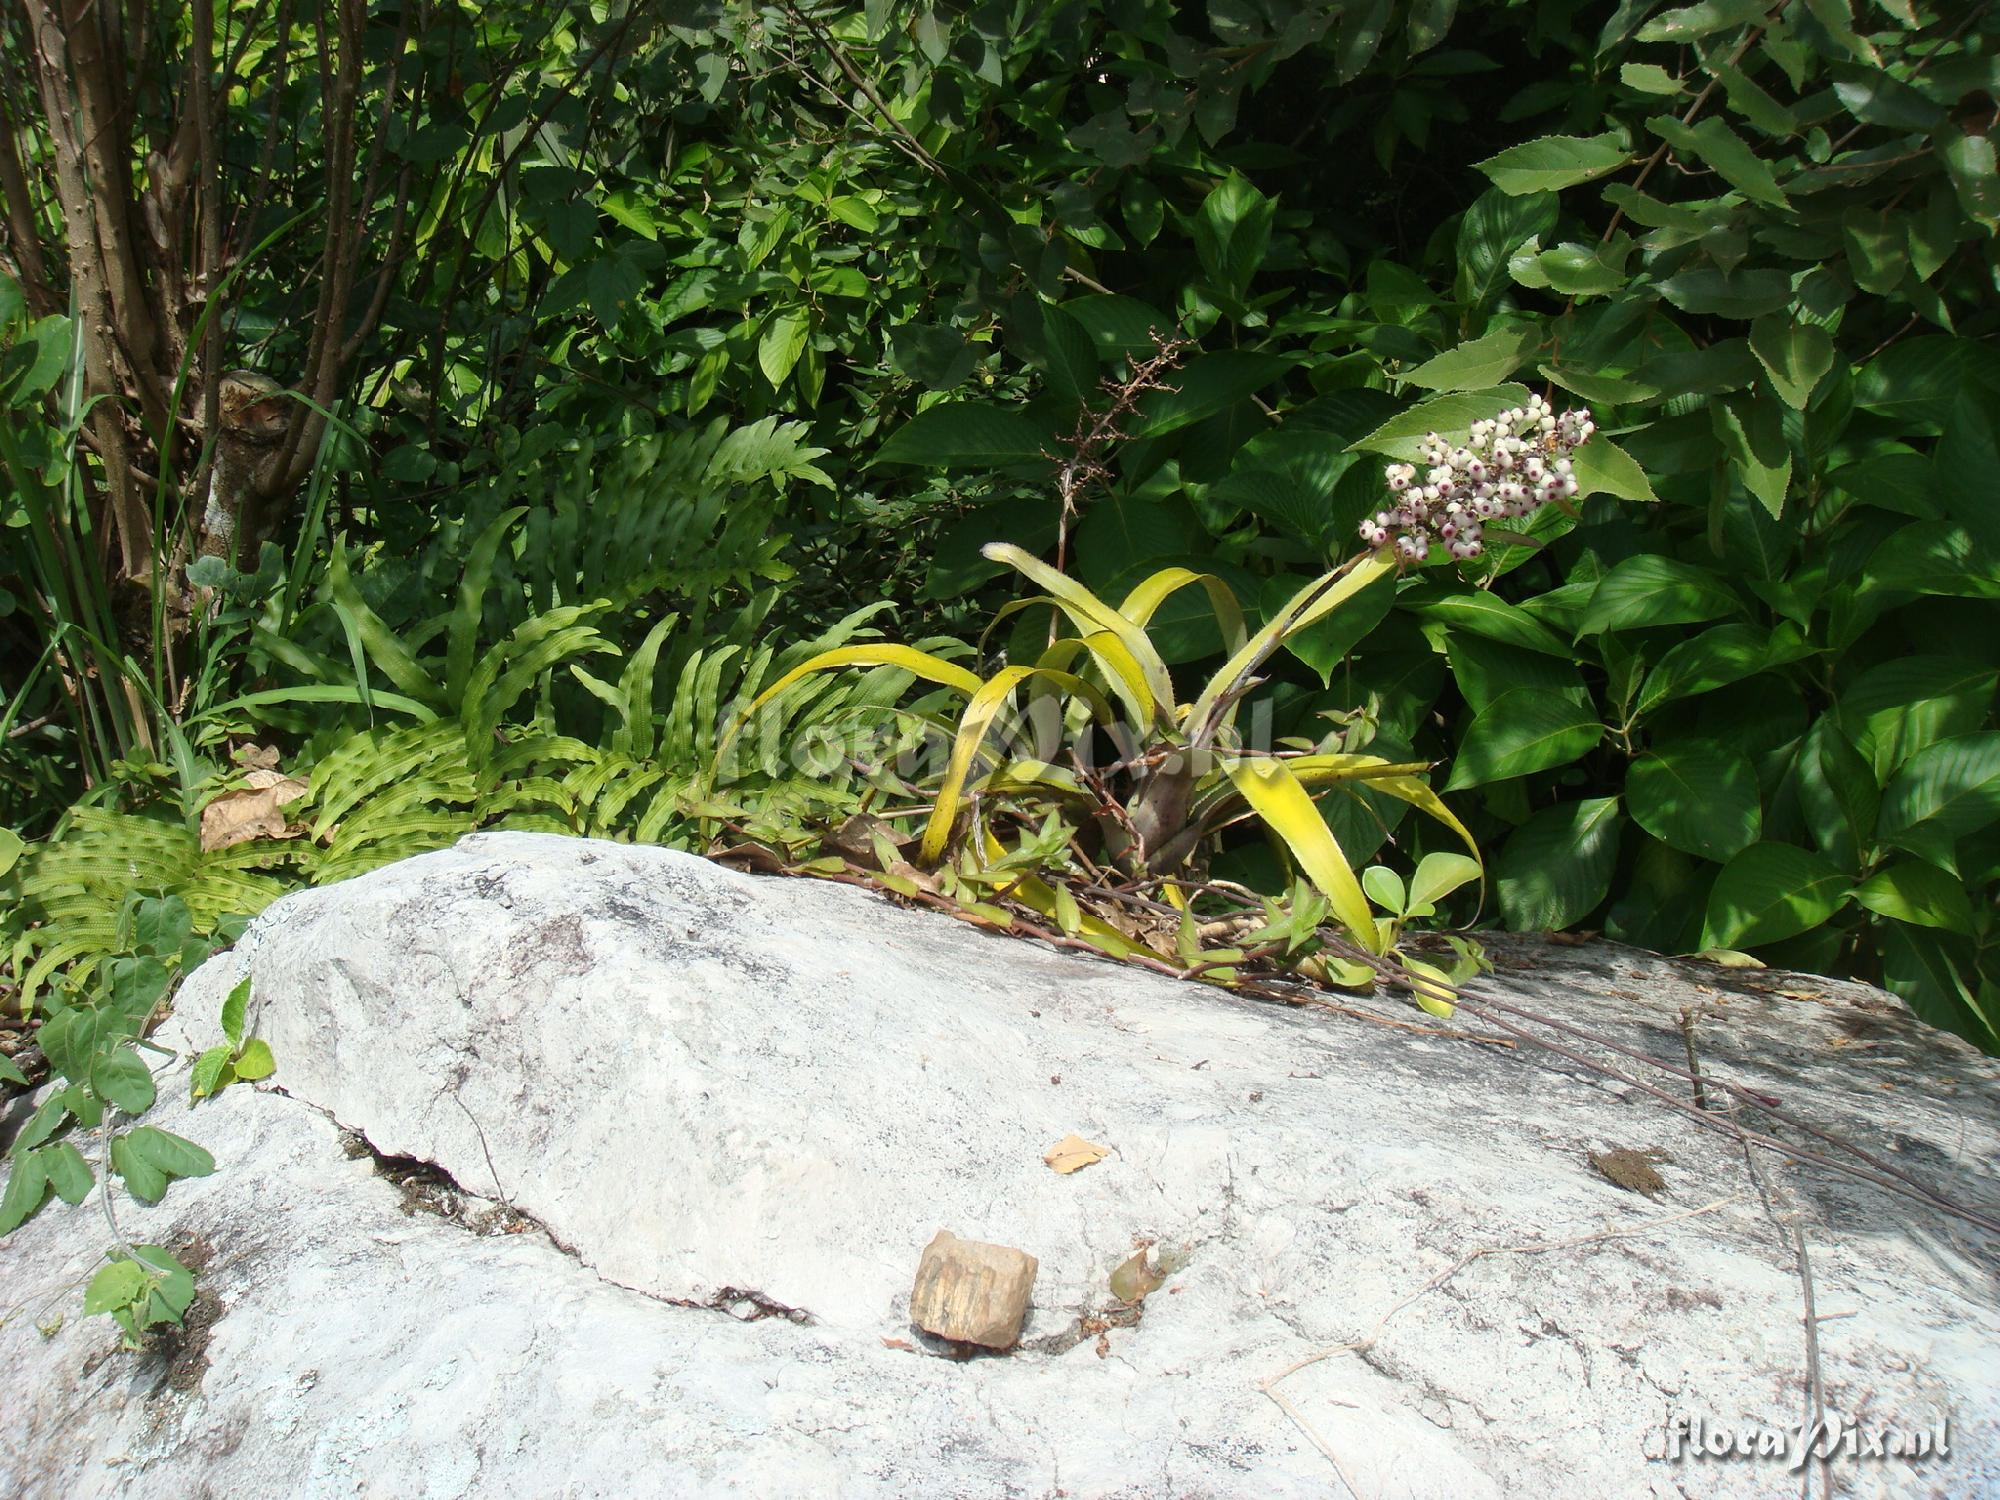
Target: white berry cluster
1510,466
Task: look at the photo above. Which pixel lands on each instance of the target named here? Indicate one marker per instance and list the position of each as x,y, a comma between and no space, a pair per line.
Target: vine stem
118,1241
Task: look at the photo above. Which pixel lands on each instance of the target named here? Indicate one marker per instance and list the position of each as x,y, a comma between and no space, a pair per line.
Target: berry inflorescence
1510,466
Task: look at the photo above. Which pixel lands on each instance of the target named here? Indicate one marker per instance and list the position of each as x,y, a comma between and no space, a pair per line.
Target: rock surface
725,1115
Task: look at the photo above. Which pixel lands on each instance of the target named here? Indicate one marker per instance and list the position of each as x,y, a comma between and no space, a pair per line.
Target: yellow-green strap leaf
1148,596
1417,792
1276,796
1090,614
1313,602
1322,770
972,727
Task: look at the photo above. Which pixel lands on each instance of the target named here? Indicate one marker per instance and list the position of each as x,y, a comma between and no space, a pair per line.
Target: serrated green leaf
1478,364
1795,355
1603,468
1689,23
1712,141
1402,436
1553,162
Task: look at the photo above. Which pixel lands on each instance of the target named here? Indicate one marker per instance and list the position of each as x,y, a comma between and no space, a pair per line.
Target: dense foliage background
471,402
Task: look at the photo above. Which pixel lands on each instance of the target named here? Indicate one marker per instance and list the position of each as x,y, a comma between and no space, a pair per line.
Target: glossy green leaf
1526,730
1556,868
1486,614
1651,590
1689,23
1491,231
1930,970
1717,657
967,434
1712,141
1969,160
1893,710
1877,248
1231,230
1697,796
1768,892
1751,431
1205,385
1438,874
1944,792
1914,891
783,340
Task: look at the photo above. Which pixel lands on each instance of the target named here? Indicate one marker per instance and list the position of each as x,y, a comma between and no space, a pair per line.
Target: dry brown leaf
1073,1153
257,811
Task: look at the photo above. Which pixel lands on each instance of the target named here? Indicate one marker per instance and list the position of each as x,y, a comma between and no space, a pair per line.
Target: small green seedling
139,1291
1437,876
236,1060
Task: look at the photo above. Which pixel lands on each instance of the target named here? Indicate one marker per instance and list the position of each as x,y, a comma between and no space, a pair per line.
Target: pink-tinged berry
1509,466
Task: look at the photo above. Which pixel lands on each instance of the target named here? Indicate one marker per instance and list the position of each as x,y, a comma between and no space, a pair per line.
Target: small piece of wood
972,1292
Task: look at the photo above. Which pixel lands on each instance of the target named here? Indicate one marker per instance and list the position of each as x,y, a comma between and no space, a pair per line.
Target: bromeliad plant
1181,772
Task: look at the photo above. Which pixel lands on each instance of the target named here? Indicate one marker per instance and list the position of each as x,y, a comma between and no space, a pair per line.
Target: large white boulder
735,1109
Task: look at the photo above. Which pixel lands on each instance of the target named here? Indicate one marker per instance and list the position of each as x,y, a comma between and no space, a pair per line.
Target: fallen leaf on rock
256,811
1072,1154
1730,958
1134,1280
